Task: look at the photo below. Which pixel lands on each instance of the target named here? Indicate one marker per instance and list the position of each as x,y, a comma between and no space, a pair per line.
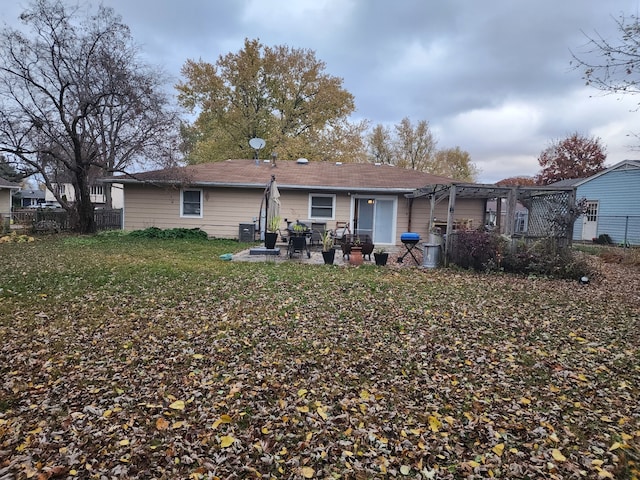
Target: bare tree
613,66
76,101
380,145
414,145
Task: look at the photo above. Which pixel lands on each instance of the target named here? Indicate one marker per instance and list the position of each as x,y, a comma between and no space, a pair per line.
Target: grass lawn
137,358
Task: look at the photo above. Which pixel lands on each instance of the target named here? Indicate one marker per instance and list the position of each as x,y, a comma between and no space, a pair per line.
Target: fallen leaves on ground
150,362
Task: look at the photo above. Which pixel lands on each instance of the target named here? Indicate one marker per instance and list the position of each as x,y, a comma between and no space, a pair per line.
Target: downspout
410,213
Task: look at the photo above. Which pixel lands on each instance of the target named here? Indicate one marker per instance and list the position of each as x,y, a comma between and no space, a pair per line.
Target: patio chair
341,232
317,231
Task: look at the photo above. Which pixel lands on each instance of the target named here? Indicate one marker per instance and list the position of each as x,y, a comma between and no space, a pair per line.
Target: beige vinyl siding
343,207
223,209
294,205
5,201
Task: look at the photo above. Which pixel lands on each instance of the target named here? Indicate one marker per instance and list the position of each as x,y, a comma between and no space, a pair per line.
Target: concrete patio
316,256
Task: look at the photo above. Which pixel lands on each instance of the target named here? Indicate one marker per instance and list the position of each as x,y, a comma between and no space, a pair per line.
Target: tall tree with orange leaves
576,156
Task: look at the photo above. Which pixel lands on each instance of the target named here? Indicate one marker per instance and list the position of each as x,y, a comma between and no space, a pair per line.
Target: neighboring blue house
613,204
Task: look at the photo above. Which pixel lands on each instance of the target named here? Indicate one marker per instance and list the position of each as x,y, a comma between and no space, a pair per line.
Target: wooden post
511,212
432,211
452,207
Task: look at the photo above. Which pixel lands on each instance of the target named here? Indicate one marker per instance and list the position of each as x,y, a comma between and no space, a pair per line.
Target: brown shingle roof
7,184
291,174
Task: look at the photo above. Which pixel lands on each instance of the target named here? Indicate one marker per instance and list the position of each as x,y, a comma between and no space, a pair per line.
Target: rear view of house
219,197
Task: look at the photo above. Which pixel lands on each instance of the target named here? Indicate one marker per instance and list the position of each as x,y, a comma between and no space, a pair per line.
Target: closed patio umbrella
273,201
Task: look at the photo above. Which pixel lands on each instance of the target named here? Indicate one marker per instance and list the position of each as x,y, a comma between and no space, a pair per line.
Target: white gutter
260,185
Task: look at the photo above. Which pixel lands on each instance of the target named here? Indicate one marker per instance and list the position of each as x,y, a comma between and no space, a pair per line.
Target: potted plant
300,229
328,252
381,256
355,255
298,239
271,235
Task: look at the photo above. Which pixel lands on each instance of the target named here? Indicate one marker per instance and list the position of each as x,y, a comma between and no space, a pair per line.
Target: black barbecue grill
410,240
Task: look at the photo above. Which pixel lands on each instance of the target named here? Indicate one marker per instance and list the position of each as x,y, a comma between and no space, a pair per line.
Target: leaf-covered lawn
125,358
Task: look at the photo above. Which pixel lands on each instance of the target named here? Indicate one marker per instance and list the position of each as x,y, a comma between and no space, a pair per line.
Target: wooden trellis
547,214
552,210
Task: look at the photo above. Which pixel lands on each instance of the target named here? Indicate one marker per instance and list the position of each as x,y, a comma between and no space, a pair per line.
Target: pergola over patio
552,210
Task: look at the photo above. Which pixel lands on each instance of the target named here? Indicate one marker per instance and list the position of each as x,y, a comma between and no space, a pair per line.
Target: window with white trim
96,190
322,206
191,203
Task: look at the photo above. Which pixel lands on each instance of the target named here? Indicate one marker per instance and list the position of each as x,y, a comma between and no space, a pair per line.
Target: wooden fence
57,219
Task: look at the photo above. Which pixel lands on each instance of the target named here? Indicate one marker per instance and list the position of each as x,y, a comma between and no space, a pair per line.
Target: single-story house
28,198
220,197
613,204
6,190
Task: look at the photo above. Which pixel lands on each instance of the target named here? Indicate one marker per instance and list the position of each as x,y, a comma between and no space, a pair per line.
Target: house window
191,203
322,206
592,211
96,190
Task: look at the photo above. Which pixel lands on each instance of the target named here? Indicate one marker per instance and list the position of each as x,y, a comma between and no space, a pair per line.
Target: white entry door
590,221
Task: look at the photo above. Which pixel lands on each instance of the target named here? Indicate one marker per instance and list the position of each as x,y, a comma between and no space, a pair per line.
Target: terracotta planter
355,256
362,241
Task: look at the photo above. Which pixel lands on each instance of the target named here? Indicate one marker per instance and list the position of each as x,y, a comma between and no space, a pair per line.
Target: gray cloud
492,77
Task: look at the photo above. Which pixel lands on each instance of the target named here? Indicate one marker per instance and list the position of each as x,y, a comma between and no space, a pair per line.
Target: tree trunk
85,221
108,201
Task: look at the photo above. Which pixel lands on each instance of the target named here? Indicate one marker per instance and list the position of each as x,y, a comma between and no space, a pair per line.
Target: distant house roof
291,175
569,182
575,182
37,194
623,165
7,184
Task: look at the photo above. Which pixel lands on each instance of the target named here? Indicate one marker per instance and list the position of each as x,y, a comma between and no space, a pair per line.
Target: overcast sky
490,76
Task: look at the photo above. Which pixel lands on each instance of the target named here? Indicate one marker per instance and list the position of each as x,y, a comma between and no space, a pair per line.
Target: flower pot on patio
329,256
270,239
355,256
381,258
